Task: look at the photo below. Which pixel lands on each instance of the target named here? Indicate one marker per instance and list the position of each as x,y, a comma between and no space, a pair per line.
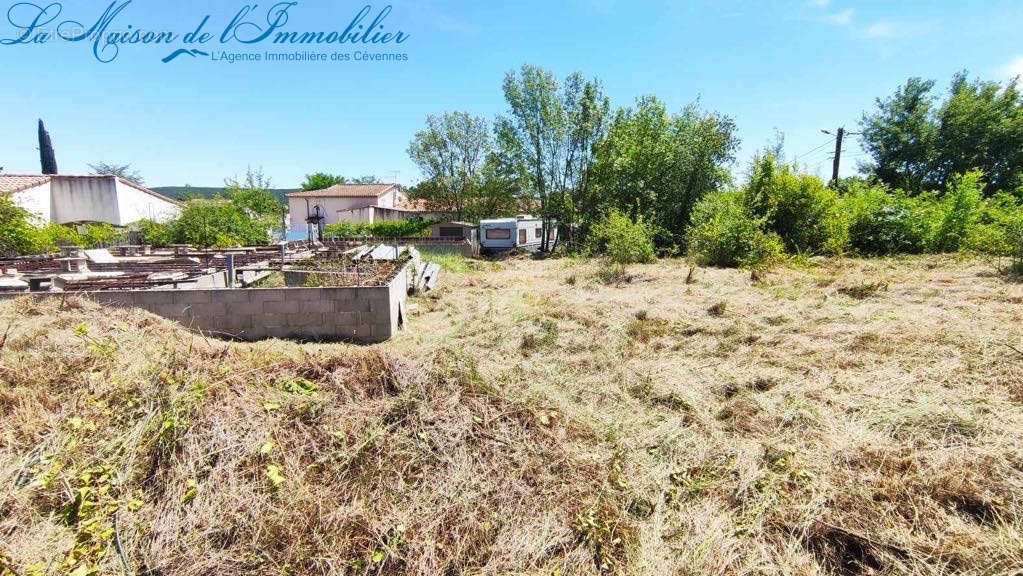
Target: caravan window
522,236
539,232
498,234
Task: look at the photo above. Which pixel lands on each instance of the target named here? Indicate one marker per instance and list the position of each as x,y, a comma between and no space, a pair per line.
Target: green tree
451,152
218,223
121,170
657,165
47,157
550,129
901,137
253,193
981,127
917,145
322,181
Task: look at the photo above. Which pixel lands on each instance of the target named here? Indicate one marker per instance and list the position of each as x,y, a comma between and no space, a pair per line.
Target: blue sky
793,66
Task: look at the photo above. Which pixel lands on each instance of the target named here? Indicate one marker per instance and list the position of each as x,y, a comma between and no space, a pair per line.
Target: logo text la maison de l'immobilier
248,26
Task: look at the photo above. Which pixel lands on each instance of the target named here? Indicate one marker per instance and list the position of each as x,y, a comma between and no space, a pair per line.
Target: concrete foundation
355,314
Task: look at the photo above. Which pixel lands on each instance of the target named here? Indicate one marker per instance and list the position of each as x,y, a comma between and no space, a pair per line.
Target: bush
882,222
61,235
219,223
798,207
18,235
724,232
1014,234
399,228
155,233
957,213
345,229
621,240
98,233
382,229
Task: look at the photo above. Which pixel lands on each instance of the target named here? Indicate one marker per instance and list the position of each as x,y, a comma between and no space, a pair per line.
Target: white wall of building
134,205
84,200
71,199
301,208
35,200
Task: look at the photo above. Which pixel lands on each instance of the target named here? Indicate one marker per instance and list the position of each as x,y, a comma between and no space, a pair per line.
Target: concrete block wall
359,314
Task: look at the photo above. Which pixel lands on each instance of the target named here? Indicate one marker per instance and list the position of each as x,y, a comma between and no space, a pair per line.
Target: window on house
538,232
450,232
522,236
498,234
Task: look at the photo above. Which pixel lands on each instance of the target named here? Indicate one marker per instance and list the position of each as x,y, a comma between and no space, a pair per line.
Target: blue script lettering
251,32
39,17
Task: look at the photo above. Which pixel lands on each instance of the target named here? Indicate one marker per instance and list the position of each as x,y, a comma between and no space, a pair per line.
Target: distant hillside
178,192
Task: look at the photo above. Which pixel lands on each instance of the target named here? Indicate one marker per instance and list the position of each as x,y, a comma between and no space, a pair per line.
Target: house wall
84,200
35,200
328,206
134,205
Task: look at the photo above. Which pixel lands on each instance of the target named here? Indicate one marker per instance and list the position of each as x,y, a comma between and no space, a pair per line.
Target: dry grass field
838,417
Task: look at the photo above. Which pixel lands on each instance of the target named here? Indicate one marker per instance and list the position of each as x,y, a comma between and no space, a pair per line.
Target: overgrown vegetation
245,214
128,445
381,229
622,242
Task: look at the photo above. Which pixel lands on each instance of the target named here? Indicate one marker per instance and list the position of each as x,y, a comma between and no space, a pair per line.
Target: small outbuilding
455,231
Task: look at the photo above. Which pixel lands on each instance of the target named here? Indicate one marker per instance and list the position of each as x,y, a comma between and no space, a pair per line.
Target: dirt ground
842,416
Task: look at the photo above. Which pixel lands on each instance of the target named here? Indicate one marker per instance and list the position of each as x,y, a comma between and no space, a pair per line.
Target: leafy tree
450,152
122,170
657,165
901,137
550,129
365,180
981,127
321,181
253,194
917,145
47,157
218,223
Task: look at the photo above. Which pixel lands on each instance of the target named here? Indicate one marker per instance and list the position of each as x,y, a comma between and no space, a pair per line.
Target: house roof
347,191
18,182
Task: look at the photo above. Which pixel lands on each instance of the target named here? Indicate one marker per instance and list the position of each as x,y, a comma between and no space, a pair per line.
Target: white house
67,199
350,203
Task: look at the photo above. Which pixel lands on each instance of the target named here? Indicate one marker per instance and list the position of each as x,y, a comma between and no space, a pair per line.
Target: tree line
561,152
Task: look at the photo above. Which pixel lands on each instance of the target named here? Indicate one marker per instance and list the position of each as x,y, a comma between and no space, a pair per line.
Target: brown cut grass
842,417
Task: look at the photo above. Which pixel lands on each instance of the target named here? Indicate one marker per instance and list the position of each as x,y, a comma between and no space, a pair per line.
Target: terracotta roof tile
18,182
347,191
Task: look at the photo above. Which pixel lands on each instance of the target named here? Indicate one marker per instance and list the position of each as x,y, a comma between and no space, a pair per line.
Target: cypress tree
47,157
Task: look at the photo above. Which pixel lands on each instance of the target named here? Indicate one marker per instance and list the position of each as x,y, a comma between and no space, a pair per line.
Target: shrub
957,213
381,229
218,223
18,235
621,240
882,222
97,233
62,235
156,233
798,207
399,228
724,232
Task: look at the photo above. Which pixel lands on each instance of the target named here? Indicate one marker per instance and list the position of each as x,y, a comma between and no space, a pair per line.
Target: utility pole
839,137
838,156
